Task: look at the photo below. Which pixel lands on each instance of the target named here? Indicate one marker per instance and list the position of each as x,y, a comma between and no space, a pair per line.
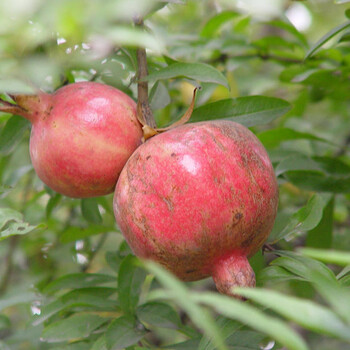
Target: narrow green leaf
90,210
130,279
296,162
253,318
326,38
227,328
287,26
12,134
78,280
158,314
328,256
123,332
100,343
306,313
186,345
321,236
73,346
305,219
274,137
197,71
92,299
74,327
275,274
176,291
216,22
309,269
248,110
52,204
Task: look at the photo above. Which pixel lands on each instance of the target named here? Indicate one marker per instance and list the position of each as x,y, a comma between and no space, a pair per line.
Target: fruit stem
143,108
233,271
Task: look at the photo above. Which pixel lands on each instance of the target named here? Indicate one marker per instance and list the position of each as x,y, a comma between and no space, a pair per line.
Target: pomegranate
82,135
199,199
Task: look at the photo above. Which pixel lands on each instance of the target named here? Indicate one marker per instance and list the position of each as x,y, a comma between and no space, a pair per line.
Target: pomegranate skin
82,136
199,199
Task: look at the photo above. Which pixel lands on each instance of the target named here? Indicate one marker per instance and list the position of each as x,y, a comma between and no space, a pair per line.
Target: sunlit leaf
326,38
248,110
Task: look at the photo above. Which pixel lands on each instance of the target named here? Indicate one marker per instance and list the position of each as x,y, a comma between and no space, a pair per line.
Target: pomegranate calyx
233,271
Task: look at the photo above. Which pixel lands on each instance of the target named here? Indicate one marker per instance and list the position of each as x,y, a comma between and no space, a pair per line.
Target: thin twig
142,86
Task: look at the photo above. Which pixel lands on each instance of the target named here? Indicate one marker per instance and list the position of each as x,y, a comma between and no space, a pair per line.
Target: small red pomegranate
82,136
199,199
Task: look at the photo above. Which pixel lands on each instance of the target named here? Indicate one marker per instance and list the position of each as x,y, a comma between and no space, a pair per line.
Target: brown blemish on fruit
148,157
173,154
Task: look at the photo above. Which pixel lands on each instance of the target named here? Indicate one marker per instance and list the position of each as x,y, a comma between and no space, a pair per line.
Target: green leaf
12,134
197,71
327,256
123,332
94,299
74,327
253,318
326,38
274,137
158,314
176,291
318,181
11,223
305,219
321,236
78,280
186,345
296,162
90,210
130,280
309,269
275,274
14,298
52,204
216,22
100,343
306,313
227,328
246,340
287,26
73,346
248,110
73,233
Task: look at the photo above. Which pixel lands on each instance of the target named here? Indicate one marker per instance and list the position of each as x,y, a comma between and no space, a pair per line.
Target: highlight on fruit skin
81,137
199,199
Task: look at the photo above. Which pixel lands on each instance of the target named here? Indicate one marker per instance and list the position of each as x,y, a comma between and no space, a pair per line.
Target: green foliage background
68,279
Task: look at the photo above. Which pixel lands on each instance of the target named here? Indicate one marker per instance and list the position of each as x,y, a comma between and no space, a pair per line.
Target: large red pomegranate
82,135
199,199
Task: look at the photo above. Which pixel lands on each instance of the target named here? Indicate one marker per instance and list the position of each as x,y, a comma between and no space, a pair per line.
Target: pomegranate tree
82,135
199,199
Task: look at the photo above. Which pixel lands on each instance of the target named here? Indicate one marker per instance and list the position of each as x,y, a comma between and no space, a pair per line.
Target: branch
143,107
